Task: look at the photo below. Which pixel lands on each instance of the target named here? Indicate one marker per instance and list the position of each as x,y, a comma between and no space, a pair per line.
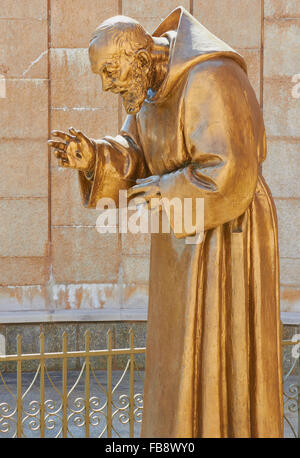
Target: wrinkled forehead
102,51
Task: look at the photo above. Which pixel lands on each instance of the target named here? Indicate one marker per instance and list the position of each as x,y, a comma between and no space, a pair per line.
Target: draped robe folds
213,358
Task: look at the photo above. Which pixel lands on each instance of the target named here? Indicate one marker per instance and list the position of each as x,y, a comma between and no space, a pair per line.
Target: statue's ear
144,58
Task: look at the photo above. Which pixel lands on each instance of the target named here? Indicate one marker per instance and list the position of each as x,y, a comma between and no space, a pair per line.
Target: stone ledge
51,316
290,317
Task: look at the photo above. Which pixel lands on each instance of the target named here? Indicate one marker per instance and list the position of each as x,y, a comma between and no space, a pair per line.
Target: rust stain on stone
78,294
129,291
290,295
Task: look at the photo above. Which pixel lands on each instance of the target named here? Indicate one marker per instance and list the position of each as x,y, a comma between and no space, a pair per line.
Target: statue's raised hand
74,150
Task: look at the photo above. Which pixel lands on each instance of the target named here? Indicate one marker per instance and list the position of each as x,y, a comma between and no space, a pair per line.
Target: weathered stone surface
22,298
236,23
289,271
24,168
67,207
282,8
281,46
26,9
23,48
24,111
72,25
86,296
81,254
288,211
136,243
74,84
281,168
290,299
94,122
252,58
151,14
135,269
281,109
135,296
24,227
24,271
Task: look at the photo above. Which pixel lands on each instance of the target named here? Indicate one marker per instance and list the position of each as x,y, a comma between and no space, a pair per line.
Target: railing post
87,385
42,385
19,387
109,383
65,388
299,398
131,385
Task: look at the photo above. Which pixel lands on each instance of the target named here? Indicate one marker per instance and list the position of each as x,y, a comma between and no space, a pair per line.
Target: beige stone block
282,8
72,23
290,299
135,297
81,254
136,269
290,271
86,296
94,122
24,271
24,227
24,111
136,244
151,14
66,202
24,48
73,84
22,298
288,211
24,168
281,46
237,22
252,58
281,168
281,109
25,9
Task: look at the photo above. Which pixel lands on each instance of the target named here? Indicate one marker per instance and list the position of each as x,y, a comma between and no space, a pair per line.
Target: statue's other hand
74,150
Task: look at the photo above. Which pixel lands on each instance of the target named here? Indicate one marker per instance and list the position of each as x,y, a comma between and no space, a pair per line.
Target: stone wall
54,266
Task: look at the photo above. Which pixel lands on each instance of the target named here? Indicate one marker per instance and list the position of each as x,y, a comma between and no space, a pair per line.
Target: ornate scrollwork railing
97,403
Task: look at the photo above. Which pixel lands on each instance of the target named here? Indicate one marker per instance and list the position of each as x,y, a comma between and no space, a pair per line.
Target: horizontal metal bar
72,354
290,342
91,353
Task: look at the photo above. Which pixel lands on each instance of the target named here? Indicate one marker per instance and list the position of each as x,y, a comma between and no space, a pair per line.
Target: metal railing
62,415
91,402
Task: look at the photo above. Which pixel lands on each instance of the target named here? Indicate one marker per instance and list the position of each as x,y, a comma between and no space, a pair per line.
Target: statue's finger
64,135
58,145
138,189
80,135
64,163
60,154
151,179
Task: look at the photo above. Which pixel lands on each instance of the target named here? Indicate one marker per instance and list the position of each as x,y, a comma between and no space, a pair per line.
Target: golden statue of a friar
194,130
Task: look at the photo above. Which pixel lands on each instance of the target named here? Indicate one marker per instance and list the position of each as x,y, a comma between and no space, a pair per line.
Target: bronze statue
194,130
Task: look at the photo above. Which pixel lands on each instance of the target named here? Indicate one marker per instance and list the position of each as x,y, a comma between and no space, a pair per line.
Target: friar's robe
213,359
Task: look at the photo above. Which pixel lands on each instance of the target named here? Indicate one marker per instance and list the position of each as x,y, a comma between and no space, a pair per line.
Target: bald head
124,55
122,33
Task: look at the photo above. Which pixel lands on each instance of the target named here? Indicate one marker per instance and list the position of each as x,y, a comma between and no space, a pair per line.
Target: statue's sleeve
119,162
220,123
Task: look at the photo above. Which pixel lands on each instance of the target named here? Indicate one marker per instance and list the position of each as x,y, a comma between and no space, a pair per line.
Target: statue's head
120,52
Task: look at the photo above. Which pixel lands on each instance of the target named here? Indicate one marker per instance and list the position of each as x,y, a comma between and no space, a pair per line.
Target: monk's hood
190,43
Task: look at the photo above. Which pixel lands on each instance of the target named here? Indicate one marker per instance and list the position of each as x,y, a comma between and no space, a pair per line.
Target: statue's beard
136,93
